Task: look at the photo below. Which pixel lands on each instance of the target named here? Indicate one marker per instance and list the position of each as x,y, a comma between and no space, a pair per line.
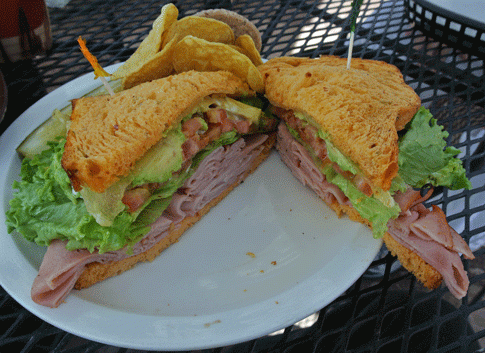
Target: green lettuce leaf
45,208
424,157
369,208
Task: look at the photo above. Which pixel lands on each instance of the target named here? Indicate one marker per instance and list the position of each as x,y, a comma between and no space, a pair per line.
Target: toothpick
351,46
107,86
353,19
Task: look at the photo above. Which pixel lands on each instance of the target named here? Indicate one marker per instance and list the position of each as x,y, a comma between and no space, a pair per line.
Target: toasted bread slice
108,134
96,272
361,108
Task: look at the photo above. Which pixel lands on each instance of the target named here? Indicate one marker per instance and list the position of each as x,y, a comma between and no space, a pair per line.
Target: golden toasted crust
361,108
424,272
96,272
108,134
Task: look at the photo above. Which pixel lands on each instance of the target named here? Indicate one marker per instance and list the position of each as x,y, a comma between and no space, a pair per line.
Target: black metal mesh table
386,310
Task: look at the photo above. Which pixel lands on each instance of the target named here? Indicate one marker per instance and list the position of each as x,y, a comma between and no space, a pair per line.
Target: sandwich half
135,170
361,140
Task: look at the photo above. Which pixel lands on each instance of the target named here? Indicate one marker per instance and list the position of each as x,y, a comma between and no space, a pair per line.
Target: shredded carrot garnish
98,70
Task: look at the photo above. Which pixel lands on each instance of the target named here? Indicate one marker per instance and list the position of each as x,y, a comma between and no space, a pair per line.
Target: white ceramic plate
205,291
465,9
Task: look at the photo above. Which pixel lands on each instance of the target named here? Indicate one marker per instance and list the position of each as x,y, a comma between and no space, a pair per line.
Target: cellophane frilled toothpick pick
98,70
356,4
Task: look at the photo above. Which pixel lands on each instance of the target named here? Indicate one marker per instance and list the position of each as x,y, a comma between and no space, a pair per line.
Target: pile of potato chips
191,43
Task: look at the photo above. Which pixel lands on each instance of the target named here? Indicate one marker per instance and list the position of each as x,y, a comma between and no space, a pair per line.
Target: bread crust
96,272
361,109
423,271
108,134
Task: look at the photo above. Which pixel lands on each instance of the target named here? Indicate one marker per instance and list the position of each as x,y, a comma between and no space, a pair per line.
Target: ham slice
410,198
297,158
61,268
53,283
427,235
425,232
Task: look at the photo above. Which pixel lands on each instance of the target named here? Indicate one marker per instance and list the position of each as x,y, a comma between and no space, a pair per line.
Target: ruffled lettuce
45,207
370,208
424,157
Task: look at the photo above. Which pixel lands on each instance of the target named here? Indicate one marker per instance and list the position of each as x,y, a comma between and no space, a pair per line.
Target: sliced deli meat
60,268
423,231
297,158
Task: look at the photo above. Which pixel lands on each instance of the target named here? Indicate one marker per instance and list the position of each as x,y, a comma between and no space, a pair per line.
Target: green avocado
158,164
249,112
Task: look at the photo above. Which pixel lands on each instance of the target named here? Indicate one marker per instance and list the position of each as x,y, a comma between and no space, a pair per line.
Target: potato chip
239,24
204,28
151,45
235,47
193,53
161,64
153,59
158,66
246,43
207,44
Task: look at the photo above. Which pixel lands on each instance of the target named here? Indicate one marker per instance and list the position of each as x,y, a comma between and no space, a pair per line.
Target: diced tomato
191,126
191,146
135,198
213,133
360,182
242,126
216,116
219,121
363,185
226,125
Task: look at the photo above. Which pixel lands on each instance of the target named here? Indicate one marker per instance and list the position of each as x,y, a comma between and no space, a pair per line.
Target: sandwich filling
45,206
225,166
425,232
434,165
217,120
